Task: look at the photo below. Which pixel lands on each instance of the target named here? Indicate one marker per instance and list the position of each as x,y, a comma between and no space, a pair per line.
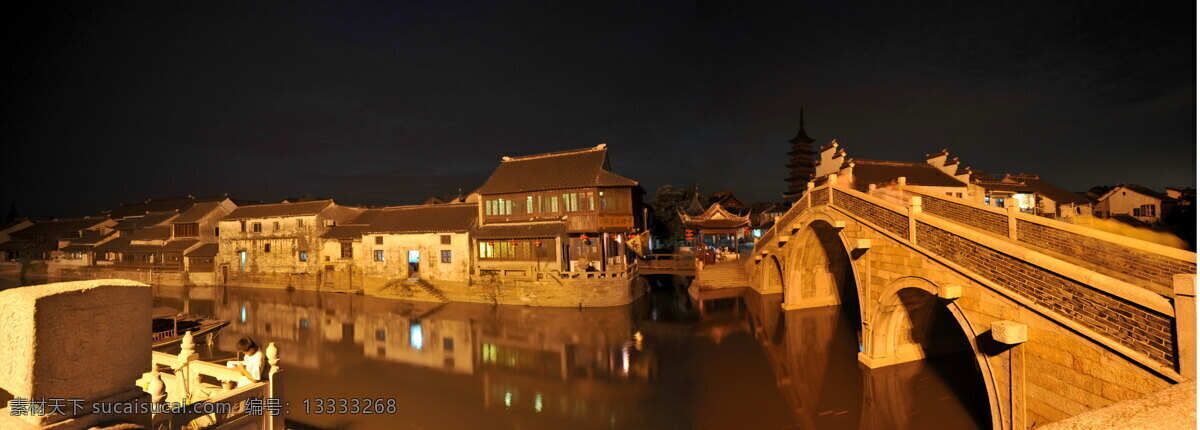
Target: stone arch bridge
1060,319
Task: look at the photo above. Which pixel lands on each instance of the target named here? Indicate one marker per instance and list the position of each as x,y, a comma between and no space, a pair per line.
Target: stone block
1010,332
84,339
949,292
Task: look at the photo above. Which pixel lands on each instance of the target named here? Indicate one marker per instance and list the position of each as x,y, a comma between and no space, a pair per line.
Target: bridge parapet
1135,261
1114,290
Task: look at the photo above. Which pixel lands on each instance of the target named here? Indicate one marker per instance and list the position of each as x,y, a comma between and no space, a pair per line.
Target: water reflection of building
546,367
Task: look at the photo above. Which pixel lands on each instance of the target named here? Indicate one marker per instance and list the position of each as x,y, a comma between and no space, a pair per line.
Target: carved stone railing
1107,287
181,379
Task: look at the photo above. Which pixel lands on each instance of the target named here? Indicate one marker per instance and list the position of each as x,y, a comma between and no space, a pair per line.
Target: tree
668,202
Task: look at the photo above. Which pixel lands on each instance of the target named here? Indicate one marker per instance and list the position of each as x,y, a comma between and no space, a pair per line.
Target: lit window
378,255
303,255
445,256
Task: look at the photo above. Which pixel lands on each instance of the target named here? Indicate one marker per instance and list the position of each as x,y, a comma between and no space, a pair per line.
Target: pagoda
800,165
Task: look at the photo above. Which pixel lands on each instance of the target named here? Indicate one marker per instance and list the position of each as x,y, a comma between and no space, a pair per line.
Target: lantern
583,237
537,243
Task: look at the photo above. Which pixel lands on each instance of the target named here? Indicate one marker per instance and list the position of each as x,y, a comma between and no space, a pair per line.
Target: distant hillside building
800,163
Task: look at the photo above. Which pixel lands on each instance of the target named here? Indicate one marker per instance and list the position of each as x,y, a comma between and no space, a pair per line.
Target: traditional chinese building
383,246
800,163
717,227
278,244
560,211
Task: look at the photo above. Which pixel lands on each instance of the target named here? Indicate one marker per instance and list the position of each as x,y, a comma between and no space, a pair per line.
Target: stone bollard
83,341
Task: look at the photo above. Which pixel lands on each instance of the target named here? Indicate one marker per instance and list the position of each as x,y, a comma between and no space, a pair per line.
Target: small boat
169,326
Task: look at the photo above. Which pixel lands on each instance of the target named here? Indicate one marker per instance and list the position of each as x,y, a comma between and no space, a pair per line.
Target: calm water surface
667,361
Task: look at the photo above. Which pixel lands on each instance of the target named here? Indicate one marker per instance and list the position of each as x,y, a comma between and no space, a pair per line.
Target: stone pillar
1012,222
1185,323
914,208
1013,335
86,340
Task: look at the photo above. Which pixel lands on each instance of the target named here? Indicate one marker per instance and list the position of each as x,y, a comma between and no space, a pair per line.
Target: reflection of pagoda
800,164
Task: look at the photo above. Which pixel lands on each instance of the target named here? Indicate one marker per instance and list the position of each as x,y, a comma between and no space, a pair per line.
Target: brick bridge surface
1061,319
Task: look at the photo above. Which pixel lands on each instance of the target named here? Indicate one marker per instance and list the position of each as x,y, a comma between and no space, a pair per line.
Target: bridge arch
911,323
772,274
820,268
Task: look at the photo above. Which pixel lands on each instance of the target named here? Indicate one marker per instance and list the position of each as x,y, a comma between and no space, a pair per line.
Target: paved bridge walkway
1061,319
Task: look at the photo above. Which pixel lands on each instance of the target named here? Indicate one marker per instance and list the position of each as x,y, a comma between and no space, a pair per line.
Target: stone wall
1121,262
878,215
1144,331
975,217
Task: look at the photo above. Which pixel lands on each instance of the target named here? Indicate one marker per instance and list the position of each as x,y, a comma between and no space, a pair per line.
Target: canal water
733,361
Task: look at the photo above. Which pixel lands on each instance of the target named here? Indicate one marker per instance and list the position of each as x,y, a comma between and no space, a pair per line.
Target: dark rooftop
280,210
867,172
579,168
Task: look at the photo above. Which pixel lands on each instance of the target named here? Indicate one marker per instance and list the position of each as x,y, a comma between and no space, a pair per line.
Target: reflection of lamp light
243,314
508,399
625,358
618,238
415,339
537,402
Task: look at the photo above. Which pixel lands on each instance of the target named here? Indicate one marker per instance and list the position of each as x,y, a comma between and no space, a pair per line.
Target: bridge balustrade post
1012,222
913,209
1185,323
275,387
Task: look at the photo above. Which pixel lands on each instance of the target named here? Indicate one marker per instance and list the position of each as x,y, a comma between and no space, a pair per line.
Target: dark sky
387,103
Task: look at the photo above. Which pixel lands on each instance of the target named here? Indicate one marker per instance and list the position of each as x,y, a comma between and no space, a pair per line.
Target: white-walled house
1133,200
277,243
381,246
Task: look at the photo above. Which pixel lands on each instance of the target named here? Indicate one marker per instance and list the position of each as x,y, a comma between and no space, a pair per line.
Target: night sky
111,102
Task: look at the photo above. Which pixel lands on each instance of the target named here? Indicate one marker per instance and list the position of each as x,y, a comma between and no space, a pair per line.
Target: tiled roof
173,204
63,225
867,172
197,212
123,244
424,218
152,233
180,245
1011,187
90,237
280,210
568,169
1146,191
149,220
1051,191
345,231
204,250
520,231
14,223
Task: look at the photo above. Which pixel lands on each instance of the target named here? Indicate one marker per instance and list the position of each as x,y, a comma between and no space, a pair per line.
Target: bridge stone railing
1116,290
1135,261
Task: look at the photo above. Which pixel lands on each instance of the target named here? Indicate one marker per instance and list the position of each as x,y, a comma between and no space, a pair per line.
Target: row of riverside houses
942,174
544,229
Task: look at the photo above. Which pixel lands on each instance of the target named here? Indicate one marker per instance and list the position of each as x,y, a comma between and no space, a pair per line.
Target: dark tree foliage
1180,219
668,202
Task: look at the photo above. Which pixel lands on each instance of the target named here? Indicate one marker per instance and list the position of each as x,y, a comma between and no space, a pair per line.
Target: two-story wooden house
555,212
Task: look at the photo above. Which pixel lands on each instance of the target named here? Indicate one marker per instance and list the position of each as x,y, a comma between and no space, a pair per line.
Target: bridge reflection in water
737,361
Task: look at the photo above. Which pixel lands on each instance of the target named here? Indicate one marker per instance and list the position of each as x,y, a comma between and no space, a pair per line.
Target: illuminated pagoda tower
800,163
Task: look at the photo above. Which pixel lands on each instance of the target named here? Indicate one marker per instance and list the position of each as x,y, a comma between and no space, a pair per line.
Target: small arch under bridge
1061,319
